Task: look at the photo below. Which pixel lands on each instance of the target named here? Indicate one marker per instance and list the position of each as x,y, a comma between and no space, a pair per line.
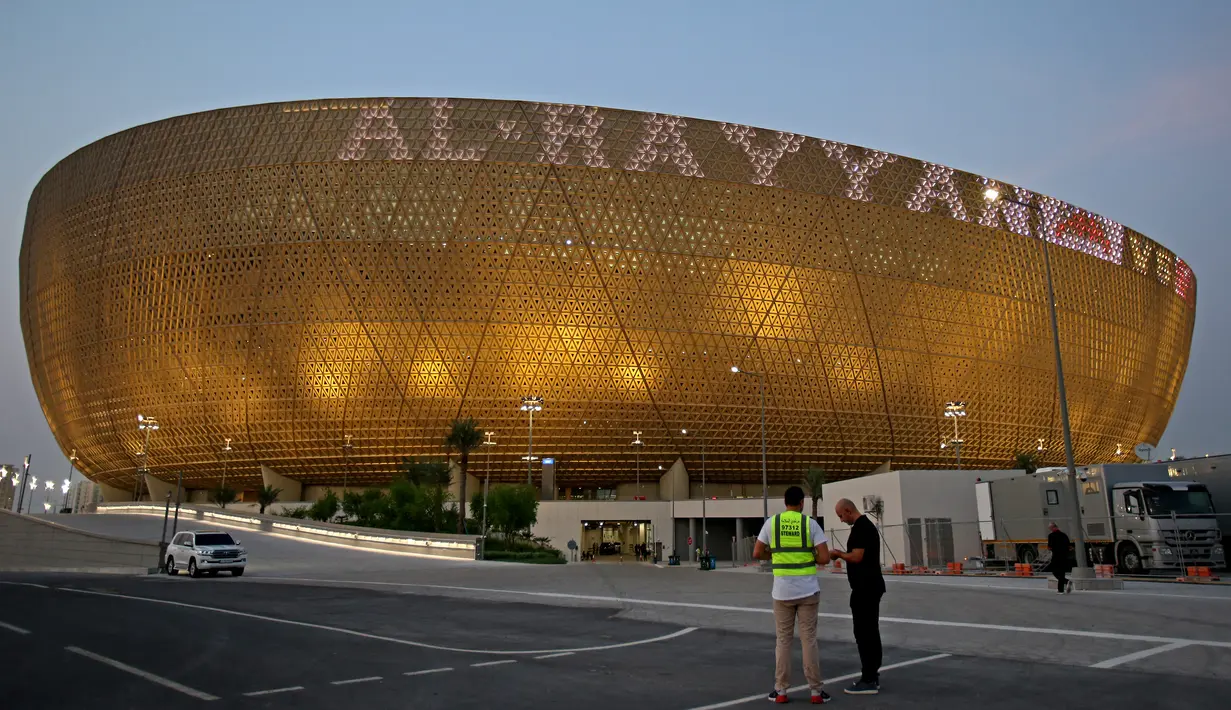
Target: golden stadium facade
287,275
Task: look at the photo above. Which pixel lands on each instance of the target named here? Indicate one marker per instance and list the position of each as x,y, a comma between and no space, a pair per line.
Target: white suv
202,551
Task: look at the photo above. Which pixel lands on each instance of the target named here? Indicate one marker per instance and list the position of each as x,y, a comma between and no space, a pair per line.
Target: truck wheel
1129,559
1026,554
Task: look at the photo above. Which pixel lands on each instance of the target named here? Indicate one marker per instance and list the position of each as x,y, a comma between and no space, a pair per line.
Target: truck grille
1193,544
226,553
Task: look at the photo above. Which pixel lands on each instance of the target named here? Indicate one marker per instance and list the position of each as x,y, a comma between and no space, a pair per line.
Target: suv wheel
171,566
192,569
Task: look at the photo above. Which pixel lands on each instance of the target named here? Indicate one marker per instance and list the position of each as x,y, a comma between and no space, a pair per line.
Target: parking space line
553,655
839,679
492,663
257,693
165,682
26,584
369,679
10,627
1130,657
377,637
429,671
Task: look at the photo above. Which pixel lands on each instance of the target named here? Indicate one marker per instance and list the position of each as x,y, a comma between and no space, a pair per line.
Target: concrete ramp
29,544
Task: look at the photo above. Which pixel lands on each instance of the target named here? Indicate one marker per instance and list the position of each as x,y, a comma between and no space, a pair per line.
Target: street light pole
992,195
144,424
72,460
954,411
487,479
179,490
347,447
637,444
764,466
25,478
226,451
531,404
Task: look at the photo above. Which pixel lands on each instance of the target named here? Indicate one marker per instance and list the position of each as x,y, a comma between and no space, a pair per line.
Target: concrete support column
692,535
159,489
739,536
292,490
111,494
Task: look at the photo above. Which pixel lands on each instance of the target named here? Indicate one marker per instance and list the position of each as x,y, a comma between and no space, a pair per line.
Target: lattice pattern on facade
288,274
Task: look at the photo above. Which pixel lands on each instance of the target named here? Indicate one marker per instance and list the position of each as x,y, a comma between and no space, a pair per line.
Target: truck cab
1165,526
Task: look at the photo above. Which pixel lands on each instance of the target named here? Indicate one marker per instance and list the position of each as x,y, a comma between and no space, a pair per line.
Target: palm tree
814,480
1028,461
267,496
463,438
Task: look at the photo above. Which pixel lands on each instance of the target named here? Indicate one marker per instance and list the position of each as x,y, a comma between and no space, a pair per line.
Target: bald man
863,572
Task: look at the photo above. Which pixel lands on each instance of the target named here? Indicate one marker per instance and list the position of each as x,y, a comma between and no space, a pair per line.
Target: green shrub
537,557
300,513
324,509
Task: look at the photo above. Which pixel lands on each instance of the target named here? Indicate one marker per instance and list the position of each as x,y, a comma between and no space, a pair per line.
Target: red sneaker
776,697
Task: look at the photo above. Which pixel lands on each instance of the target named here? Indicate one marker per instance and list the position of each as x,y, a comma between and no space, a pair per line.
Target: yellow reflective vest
794,553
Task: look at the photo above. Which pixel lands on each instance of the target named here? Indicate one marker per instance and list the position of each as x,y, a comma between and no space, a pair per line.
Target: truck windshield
1165,501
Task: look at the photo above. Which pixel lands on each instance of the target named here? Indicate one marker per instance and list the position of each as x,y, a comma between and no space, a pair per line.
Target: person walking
794,544
863,572
1061,564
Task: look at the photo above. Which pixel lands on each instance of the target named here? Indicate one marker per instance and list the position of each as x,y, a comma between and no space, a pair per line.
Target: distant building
82,493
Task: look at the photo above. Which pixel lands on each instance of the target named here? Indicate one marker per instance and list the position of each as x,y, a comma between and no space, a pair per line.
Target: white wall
949,494
888,487
916,494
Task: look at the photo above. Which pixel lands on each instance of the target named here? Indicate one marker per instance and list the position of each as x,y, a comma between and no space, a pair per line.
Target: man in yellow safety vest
794,544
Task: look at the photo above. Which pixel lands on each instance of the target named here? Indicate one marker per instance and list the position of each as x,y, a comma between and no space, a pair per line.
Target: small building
926,519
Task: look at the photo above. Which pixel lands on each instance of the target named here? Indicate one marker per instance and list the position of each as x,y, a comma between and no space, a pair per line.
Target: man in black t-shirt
863,571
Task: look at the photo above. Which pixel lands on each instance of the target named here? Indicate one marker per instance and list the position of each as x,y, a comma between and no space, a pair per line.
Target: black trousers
865,614
1060,579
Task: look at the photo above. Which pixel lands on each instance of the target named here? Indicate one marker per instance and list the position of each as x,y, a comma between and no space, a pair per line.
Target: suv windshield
215,539
1165,501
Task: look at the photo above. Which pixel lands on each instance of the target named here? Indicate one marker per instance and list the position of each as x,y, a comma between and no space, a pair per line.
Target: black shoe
776,697
820,697
863,688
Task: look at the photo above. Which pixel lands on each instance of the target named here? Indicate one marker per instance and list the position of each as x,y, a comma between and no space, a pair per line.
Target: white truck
1215,473
1135,515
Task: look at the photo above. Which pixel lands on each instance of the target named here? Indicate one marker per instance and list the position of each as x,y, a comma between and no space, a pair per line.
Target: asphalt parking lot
76,641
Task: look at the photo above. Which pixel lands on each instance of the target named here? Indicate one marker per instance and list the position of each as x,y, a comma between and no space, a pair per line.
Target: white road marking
1107,635
165,682
839,679
257,693
10,627
429,671
492,663
553,655
377,637
368,679
26,584
1130,657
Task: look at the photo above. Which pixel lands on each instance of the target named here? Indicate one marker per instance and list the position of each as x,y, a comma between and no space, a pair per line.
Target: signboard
1143,451
690,541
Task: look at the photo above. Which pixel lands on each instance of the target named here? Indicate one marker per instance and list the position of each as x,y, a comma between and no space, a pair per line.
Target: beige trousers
786,614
